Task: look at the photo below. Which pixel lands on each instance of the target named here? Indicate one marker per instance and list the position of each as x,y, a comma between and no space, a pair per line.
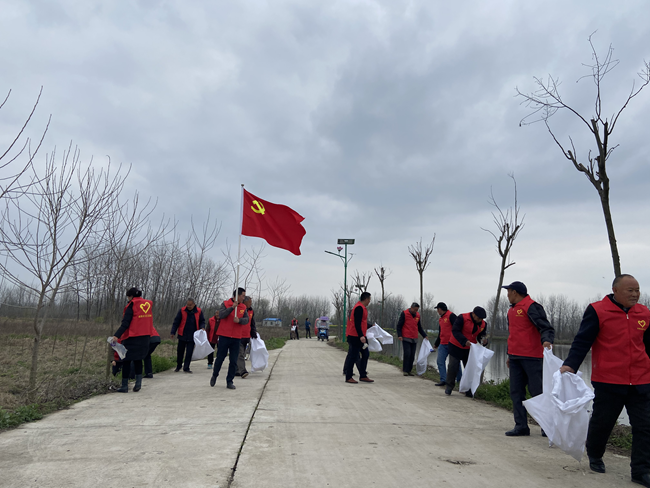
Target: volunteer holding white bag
616,330
408,327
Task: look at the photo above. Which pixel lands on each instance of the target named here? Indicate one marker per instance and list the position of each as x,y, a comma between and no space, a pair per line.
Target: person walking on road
408,326
188,320
529,332
616,330
307,328
211,329
357,327
135,334
447,318
468,328
232,316
248,332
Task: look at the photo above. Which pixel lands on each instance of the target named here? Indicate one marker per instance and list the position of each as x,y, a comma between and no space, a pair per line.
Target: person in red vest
211,329
135,331
248,331
232,316
446,319
408,326
294,328
529,332
357,327
616,330
468,328
188,320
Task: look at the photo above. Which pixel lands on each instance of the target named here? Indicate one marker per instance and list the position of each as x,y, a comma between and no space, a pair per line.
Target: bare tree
42,235
337,301
10,185
382,273
421,257
360,281
508,225
545,101
278,290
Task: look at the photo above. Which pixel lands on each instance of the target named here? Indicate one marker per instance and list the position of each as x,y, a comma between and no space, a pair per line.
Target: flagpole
241,221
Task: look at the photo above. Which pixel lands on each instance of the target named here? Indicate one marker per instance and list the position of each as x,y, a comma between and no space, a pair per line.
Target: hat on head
518,286
442,306
415,304
479,312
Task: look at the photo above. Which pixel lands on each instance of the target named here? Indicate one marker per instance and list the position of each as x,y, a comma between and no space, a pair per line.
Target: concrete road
297,424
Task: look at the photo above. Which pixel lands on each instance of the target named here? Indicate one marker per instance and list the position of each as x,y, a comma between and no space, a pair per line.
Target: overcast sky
384,121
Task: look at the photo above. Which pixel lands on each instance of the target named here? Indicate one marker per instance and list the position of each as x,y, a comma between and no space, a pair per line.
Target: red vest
445,327
227,327
212,332
618,354
181,327
142,321
246,329
410,327
468,326
351,329
523,337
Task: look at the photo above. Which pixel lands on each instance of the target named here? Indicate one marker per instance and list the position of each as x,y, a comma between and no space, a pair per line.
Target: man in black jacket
408,327
468,328
617,330
188,320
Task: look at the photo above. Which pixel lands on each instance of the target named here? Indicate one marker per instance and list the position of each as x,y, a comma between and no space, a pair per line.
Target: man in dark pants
445,322
356,334
408,327
188,320
307,328
529,332
616,330
468,328
232,316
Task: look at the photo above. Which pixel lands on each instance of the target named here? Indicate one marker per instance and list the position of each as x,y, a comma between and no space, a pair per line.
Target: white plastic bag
117,347
259,355
478,359
373,344
202,346
423,356
561,409
382,336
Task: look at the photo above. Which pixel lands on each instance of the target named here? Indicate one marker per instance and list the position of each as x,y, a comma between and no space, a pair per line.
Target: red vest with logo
445,328
212,332
468,326
523,337
181,327
410,327
142,321
618,354
351,329
227,326
246,329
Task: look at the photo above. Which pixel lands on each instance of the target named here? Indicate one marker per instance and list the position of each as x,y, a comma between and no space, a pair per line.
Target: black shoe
231,386
125,386
187,371
518,432
148,376
597,465
177,369
442,383
138,382
448,391
469,394
644,479
244,374
213,380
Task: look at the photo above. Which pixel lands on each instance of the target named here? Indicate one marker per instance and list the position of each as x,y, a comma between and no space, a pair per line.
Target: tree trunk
604,201
495,310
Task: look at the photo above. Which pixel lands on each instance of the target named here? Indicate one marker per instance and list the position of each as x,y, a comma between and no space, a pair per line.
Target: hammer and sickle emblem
145,307
258,208
642,323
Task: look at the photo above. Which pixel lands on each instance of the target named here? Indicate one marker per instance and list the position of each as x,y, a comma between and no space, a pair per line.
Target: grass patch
160,364
275,343
26,413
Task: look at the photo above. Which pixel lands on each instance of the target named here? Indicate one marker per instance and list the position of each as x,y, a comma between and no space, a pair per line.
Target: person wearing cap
468,328
616,329
529,332
446,319
356,329
408,327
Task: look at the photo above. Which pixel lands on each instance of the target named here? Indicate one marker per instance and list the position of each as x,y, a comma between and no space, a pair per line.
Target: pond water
497,370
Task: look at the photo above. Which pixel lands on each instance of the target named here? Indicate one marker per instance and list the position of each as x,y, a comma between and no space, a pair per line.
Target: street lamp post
345,260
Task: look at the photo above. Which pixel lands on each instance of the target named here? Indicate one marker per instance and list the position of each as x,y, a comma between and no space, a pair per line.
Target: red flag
279,225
